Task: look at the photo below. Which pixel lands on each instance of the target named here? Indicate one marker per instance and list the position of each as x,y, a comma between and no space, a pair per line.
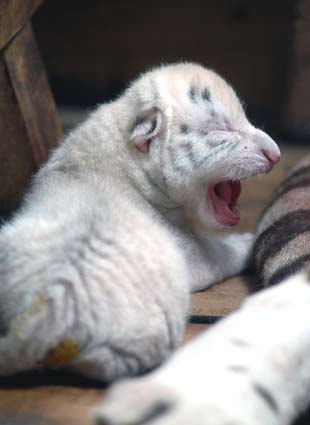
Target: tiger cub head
193,144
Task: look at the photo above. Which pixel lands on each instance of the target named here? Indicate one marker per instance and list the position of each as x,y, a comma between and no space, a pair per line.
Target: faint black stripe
163,162
3,328
240,342
193,94
153,183
267,396
215,144
188,149
290,183
301,171
219,148
288,186
298,175
201,319
160,407
294,185
278,234
174,163
288,270
172,157
206,95
238,368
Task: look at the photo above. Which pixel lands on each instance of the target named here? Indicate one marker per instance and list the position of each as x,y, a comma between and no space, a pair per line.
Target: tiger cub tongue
223,191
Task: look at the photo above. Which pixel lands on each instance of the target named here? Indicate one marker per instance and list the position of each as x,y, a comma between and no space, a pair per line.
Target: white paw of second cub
148,401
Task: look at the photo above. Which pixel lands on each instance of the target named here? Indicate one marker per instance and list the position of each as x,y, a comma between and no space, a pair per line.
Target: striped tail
282,246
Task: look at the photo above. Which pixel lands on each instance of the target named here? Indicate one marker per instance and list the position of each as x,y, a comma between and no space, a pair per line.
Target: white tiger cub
97,266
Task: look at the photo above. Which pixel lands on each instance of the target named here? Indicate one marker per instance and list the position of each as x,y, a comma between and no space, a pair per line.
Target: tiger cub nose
273,157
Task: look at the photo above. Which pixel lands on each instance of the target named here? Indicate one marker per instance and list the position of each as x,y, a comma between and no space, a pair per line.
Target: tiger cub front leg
229,254
212,259
226,256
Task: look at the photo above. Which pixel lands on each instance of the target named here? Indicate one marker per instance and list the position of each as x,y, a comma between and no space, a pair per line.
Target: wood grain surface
296,107
14,14
29,123
31,88
17,163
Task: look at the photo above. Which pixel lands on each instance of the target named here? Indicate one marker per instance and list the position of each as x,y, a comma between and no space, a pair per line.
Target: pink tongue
223,190
224,196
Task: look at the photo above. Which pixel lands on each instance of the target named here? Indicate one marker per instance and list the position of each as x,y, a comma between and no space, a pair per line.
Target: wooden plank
194,330
297,111
13,16
16,159
221,299
33,94
47,398
50,405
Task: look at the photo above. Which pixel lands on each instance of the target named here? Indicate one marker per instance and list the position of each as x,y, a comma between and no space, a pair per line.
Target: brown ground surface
61,399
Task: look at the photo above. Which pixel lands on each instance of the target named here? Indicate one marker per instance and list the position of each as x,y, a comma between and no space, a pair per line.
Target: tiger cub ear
148,124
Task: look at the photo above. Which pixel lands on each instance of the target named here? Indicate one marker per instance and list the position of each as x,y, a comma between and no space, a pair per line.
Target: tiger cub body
97,266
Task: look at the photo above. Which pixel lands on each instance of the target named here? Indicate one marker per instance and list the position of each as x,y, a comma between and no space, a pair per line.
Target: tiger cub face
195,144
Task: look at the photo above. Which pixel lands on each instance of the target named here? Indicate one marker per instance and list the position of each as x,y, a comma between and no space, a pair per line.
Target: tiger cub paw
148,402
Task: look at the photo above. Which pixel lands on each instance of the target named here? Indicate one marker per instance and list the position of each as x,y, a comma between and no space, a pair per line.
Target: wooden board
296,105
221,299
17,163
14,14
31,88
48,405
29,123
194,330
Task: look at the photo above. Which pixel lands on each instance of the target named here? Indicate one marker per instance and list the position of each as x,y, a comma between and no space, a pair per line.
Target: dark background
91,49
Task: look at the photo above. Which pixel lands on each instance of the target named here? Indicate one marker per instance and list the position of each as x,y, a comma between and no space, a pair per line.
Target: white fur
113,231
227,374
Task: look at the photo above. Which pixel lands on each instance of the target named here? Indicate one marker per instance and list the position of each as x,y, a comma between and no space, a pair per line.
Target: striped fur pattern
282,246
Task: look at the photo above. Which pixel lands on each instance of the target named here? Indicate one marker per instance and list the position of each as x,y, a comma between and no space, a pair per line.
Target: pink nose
273,157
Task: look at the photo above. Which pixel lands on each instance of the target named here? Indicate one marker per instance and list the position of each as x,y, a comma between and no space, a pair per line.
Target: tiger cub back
282,246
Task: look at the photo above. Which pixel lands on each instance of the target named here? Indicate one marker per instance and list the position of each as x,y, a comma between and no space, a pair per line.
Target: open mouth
224,197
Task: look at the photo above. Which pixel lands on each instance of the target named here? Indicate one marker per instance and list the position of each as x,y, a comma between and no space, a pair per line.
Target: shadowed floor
64,399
